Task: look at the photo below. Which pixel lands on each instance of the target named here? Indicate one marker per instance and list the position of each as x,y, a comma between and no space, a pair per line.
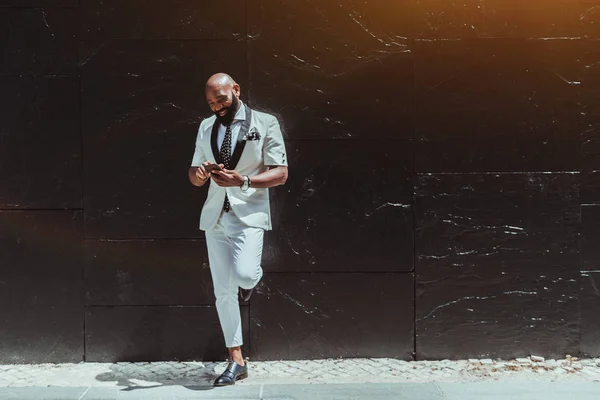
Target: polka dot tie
226,159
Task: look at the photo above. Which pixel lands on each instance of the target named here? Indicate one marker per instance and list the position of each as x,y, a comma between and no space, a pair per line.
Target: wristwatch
246,183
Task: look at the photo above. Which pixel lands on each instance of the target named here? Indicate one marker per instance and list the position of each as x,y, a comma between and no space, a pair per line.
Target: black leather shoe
233,372
245,294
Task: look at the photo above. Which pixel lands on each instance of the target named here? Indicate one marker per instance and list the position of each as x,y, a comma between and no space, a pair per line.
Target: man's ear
236,90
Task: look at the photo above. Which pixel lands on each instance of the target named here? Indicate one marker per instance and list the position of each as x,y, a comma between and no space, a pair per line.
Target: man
242,153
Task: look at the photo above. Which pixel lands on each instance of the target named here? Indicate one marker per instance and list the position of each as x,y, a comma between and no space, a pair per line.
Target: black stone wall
444,191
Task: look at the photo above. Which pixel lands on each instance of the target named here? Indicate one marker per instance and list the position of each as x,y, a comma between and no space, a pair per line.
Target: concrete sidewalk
369,391
529,378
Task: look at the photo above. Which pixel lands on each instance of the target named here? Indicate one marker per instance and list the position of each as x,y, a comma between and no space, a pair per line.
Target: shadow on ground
138,376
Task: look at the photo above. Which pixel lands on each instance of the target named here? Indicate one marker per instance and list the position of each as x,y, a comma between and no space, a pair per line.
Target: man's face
224,102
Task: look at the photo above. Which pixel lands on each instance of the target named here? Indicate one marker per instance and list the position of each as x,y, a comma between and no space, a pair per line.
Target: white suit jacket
259,145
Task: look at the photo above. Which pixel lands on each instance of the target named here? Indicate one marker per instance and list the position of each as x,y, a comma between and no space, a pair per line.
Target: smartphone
212,167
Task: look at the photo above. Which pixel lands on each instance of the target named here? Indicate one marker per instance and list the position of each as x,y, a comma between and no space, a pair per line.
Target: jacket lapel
241,143
213,141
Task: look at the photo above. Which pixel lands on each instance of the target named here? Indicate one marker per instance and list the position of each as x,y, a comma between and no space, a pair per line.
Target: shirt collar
240,115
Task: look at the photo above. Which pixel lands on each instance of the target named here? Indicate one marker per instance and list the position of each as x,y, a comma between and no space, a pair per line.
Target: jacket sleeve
274,153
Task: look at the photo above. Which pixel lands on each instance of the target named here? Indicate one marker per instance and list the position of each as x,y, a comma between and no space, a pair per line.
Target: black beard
227,119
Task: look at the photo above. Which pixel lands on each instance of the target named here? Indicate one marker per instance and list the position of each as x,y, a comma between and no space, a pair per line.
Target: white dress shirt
236,125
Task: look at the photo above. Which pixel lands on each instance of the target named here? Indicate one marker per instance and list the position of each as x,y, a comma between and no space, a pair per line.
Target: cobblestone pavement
297,372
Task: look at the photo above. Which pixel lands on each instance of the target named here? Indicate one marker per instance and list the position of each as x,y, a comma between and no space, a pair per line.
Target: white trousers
234,255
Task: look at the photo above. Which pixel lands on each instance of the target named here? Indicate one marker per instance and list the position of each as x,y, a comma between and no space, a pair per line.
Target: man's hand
227,178
199,175
201,172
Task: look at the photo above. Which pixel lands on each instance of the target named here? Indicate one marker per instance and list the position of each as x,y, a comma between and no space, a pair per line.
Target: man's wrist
245,183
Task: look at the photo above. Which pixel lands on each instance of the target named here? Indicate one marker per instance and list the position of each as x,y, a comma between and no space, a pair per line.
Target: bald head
222,95
220,80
